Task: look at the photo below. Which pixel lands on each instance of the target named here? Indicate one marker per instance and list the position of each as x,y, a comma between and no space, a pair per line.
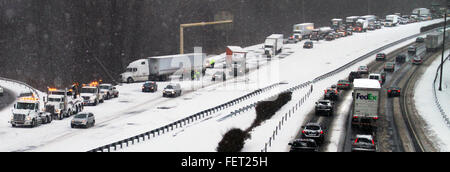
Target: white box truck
391,20
273,45
303,31
160,68
366,100
361,25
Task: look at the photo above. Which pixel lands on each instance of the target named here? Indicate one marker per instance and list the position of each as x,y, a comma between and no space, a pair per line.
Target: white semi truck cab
91,94
27,112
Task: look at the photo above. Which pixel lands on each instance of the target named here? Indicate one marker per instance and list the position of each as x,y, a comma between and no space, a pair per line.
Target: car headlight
92,98
28,118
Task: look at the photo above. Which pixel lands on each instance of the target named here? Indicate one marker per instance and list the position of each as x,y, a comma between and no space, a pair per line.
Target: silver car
84,119
172,90
108,91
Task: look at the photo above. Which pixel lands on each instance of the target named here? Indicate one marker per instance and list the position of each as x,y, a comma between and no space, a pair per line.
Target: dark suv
381,57
150,87
400,58
304,145
393,91
331,94
354,75
344,84
313,131
308,44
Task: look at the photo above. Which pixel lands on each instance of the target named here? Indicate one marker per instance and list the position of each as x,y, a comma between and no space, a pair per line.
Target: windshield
88,90
323,102
374,77
363,141
28,106
169,87
54,99
104,87
312,127
129,70
57,93
81,116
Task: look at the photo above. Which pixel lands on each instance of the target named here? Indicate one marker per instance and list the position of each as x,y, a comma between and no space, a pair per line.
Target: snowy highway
135,112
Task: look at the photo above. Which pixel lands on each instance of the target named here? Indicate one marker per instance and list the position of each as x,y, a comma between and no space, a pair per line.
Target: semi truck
303,31
370,18
366,100
27,112
391,20
62,103
273,45
423,13
160,68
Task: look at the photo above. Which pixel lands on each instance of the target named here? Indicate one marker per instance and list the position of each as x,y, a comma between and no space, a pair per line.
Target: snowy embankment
301,66
438,129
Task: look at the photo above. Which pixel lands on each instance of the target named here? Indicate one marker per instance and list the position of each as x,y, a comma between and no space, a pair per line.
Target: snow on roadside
438,131
327,56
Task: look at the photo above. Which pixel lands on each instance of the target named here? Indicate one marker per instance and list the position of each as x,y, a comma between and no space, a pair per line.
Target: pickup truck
108,91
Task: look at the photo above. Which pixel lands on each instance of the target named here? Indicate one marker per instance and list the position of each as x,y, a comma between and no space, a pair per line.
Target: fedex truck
366,101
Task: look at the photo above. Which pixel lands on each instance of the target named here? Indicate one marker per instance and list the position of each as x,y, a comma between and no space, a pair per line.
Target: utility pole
443,50
303,11
182,26
368,7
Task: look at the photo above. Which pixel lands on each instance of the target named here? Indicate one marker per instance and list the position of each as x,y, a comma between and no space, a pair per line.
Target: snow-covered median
438,130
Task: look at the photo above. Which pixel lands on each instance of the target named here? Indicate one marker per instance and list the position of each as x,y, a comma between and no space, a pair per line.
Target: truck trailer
273,45
159,68
303,31
366,100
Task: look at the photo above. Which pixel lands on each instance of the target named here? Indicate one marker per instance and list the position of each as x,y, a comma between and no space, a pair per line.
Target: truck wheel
13,125
33,123
130,80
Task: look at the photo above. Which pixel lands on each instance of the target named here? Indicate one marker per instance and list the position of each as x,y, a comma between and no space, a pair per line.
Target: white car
363,70
377,77
1,91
